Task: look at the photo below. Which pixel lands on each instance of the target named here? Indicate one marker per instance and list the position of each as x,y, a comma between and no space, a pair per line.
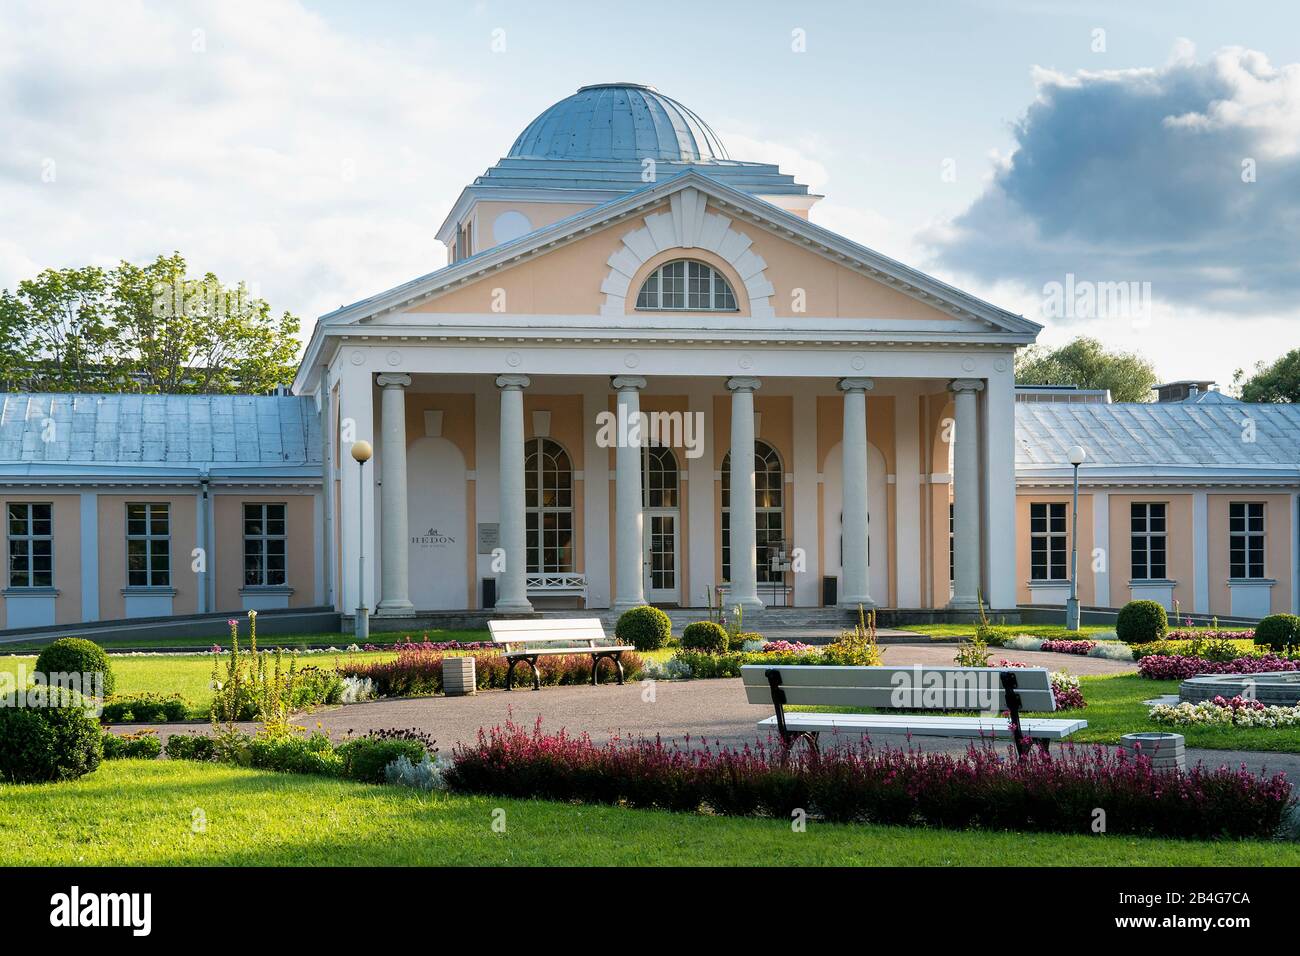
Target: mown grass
163,813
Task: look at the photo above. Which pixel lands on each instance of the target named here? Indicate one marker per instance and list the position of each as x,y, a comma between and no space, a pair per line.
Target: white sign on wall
435,483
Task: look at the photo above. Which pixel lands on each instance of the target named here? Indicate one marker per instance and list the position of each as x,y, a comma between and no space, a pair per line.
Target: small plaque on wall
489,538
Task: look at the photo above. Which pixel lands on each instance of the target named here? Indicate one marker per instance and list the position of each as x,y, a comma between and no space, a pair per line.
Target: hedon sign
435,487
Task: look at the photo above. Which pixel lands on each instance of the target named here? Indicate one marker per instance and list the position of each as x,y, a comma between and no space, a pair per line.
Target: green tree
147,328
1278,382
1086,363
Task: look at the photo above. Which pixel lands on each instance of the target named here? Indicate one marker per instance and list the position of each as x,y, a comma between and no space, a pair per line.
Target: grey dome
613,121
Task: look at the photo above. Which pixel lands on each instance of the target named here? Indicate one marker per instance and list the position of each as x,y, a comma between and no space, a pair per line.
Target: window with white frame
687,286
1047,544
1147,540
548,507
1246,539
148,545
265,545
769,511
31,545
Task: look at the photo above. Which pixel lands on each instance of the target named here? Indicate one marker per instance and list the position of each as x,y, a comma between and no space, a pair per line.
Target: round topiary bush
645,628
48,734
1278,631
75,655
1141,622
705,636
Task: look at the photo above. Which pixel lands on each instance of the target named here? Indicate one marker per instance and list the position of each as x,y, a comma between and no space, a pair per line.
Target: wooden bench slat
545,651
950,688
1043,728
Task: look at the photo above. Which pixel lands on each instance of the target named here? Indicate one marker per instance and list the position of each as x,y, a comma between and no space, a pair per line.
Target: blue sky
313,149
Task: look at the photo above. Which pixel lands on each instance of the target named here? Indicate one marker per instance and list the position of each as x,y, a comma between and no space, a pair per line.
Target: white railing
562,583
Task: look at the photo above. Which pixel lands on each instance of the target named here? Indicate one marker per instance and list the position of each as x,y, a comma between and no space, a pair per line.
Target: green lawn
139,813
1052,631
325,639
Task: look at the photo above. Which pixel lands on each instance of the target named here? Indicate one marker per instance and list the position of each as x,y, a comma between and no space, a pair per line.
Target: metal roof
159,432
1160,438
619,121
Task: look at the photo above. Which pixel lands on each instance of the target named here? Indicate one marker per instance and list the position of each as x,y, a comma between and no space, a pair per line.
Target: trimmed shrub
145,707
141,745
365,758
75,655
48,734
851,783
706,636
1141,622
191,747
1278,631
295,754
645,628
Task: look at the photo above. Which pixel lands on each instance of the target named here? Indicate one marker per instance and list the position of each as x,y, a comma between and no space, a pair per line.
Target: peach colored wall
540,214
300,563
112,551
1087,589
567,279
65,512
1277,549
1178,546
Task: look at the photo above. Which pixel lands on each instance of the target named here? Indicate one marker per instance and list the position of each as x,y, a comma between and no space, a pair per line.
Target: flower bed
1179,667
1068,647
418,672
1234,712
850,783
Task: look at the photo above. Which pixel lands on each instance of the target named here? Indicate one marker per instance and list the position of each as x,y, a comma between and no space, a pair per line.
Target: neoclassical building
647,376
807,401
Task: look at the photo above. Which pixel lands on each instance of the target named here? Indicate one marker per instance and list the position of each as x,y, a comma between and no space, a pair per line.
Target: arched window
687,286
769,510
659,477
548,503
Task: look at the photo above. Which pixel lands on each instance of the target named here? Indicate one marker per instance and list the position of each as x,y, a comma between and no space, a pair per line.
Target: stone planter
1166,751
458,678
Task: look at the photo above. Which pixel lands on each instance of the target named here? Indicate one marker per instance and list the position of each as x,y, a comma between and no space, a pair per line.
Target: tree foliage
147,328
1086,363
1278,382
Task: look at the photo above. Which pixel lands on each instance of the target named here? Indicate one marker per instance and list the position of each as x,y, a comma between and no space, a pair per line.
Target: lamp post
1076,454
361,451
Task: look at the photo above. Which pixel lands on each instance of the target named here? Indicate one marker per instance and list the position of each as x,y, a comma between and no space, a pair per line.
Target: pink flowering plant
856,782
786,647
1069,647
1180,667
1066,688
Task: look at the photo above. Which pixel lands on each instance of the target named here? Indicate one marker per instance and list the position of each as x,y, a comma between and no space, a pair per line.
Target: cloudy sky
1016,149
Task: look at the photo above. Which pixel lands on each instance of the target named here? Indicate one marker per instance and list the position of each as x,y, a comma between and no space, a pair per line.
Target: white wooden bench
529,639
903,691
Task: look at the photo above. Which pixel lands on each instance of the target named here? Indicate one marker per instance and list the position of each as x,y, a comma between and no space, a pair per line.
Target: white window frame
1053,542
29,539
264,538
650,297
537,450
1142,540
1253,539
154,544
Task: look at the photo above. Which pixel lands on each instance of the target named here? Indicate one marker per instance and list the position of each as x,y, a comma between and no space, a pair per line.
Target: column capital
966,385
513,381
622,383
856,384
393,380
744,383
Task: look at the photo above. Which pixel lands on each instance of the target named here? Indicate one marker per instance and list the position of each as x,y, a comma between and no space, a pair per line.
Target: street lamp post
1076,454
361,451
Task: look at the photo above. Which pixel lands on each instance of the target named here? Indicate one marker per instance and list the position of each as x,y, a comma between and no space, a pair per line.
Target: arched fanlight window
548,504
687,286
659,477
769,510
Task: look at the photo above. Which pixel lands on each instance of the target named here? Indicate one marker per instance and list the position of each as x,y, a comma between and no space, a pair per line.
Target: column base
621,606
851,603
753,603
964,604
513,607
394,608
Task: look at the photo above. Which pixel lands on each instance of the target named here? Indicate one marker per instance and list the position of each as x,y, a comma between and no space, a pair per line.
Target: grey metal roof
619,121
1174,438
159,431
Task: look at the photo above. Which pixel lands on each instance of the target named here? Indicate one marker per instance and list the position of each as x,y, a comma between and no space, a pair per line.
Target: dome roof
619,121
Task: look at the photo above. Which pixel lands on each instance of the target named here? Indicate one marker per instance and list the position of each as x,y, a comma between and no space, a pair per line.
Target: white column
512,589
743,588
1200,552
1100,540
807,584
966,496
394,537
627,494
596,516
698,494
857,585
907,492
356,423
